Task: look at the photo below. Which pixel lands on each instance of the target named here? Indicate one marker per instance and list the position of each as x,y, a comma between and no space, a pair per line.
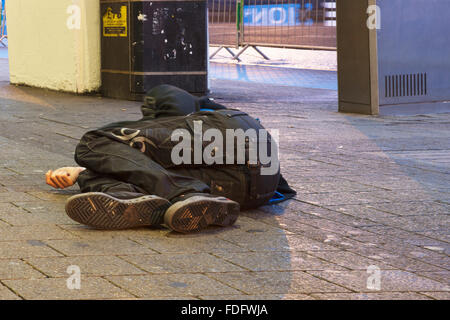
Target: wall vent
405,85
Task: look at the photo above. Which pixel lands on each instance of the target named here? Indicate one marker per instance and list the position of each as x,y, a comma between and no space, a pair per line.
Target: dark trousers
114,167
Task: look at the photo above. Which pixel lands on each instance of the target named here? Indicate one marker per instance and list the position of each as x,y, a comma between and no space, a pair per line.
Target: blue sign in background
2,15
276,15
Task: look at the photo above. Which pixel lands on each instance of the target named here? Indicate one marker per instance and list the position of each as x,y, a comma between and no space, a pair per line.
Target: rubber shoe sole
102,211
199,212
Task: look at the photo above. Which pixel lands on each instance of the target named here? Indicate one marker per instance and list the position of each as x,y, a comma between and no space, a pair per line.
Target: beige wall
44,52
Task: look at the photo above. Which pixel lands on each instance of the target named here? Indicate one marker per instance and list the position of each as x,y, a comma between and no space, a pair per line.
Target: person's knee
83,150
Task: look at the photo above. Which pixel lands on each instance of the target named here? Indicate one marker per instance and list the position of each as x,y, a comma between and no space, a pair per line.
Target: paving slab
89,266
350,260
34,232
276,282
390,280
179,262
275,242
98,247
167,285
371,296
437,295
57,289
441,276
371,191
278,261
40,218
18,269
182,244
7,294
242,297
396,260
25,249
88,233
16,196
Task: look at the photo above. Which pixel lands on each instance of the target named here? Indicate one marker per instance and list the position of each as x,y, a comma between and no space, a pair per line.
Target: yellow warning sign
115,24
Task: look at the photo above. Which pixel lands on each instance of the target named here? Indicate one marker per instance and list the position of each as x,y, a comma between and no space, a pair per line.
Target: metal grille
279,23
406,85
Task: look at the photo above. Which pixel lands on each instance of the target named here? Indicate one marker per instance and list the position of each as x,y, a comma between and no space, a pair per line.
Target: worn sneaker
200,211
103,211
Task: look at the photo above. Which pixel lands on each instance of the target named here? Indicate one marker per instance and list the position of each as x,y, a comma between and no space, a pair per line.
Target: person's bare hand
63,177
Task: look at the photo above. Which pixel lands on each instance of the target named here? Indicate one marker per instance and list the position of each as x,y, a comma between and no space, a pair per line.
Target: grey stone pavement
372,191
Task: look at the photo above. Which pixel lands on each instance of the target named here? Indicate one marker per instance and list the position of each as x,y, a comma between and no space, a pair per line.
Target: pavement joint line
54,249
382,268
69,231
11,289
393,213
35,268
14,171
327,280
401,256
64,123
424,293
6,222
67,136
144,245
118,286
229,261
123,258
328,163
428,277
226,284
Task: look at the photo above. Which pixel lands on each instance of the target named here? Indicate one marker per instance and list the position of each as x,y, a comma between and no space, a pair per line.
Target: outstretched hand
63,177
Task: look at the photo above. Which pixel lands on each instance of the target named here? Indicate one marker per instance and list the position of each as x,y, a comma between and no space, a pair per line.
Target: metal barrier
289,23
3,34
223,28
223,16
307,24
